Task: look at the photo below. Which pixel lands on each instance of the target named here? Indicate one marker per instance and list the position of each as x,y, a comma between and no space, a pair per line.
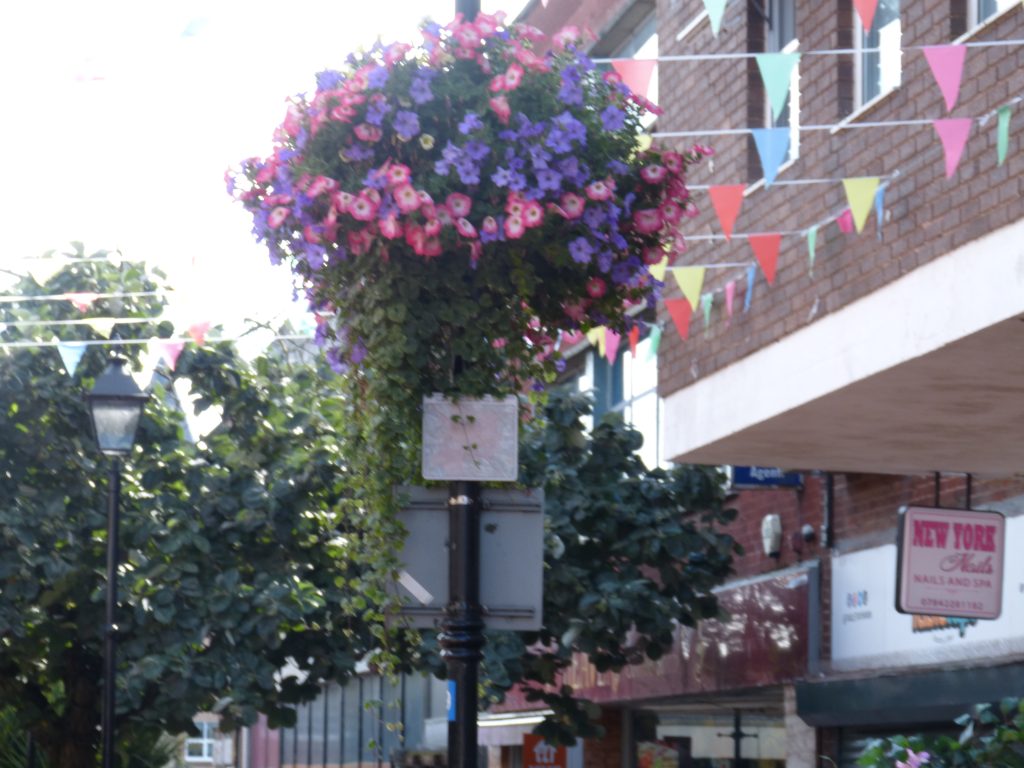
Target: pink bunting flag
766,251
866,11
170,351
636,73
571,339
727,201
198,332
845,221
81,301
953,132
611,344
947,65
681,311
730,294
634,339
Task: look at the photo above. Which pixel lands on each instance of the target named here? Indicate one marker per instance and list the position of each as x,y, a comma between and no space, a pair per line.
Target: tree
235,562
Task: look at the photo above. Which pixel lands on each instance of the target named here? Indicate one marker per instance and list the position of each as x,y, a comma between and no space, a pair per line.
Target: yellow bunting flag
860,193
658,270
691,280
104,326
596,337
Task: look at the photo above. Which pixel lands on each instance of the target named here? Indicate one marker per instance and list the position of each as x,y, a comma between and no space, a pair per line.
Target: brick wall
927,215
606,752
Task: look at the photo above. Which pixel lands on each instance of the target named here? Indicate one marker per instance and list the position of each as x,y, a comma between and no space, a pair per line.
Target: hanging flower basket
450,207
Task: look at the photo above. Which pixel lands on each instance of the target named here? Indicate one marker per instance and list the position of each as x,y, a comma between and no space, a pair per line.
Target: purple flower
558,141
376,178
471,122
377,110
549,180
572,127
334,360
517,182
358,152
377,78
469,171
570,91
617,167
539,157
419,89
358,353
594,217
613,118
621,273
581,250
406,124
328,80
501,177
604,260
476,150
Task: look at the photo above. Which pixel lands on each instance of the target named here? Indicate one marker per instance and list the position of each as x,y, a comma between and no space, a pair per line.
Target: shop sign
765,477
950,562
537,753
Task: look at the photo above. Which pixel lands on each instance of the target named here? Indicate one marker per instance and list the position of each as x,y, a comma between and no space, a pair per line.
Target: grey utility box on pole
511,557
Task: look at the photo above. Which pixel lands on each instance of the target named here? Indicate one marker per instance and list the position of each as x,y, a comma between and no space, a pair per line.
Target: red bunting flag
636,73
845,221
681,311
866,11
198,332
727,201
81,301
634,339
766,251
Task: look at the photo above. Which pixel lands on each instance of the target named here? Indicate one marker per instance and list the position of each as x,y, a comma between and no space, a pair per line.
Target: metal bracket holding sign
950,562
511,558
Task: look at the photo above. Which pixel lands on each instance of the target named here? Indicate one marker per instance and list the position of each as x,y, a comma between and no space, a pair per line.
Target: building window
982,10
781,38
199,749
880,62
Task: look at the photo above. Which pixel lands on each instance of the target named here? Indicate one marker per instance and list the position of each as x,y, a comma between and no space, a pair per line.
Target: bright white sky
121,116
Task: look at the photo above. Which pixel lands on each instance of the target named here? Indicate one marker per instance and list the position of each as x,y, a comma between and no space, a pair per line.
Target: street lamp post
115,405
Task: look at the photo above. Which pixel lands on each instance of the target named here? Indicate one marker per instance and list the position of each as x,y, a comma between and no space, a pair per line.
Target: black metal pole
468,8
462,637
110,639
737,739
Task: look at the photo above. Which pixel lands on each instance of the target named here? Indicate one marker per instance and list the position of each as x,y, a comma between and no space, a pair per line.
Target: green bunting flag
1002,133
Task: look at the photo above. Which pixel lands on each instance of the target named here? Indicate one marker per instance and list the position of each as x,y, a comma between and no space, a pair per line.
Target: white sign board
471,439
869,633
951,562
511,558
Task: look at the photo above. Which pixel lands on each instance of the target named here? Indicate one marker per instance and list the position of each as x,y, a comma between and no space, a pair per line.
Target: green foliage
992,736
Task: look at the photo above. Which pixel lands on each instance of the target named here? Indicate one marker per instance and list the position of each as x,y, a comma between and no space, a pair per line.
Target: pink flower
498,84
599,190
499,343
531,60
514,227
487,24
514,204
459,205
368,133
277,216
395,53
358,82
573,205
575,311
363,209
476,249
406,198
533,214
671,212
415,237
596,287
397,174
513,76
465,228
343,113
565,37
320,185
359,242
653,255
467,36
390,227
309,234
647,221
653,174
673,161
612,77
914,759
501,108
341,201
432,228
489,225
431,247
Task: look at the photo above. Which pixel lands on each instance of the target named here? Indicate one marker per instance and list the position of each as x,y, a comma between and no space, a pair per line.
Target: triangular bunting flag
751,276
866,11
947,65
716,10
198,332
776,69
658,270
654,341
148,362
691,280
596,336
860,194
812,245
880,209
772,148
681,312
70,354
1002,133
170,351
953,132
81,301
727,201
705,305
104,326
766,251
730,295
634,339
42,269
845,221
636,73
611,344
570,339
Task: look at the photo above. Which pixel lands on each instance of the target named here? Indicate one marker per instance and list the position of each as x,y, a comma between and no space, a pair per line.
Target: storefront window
881,59
694,740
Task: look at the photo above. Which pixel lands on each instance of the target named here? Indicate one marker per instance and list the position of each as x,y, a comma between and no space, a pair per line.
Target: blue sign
765,477
450,701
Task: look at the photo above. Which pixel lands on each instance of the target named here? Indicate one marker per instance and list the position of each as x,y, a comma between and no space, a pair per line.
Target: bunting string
134,342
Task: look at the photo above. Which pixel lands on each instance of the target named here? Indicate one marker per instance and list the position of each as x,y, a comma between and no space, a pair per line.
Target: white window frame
860,102
776,45
206,741
974,17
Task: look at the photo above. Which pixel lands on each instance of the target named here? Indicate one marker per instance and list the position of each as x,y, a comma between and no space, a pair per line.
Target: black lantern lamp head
115,404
